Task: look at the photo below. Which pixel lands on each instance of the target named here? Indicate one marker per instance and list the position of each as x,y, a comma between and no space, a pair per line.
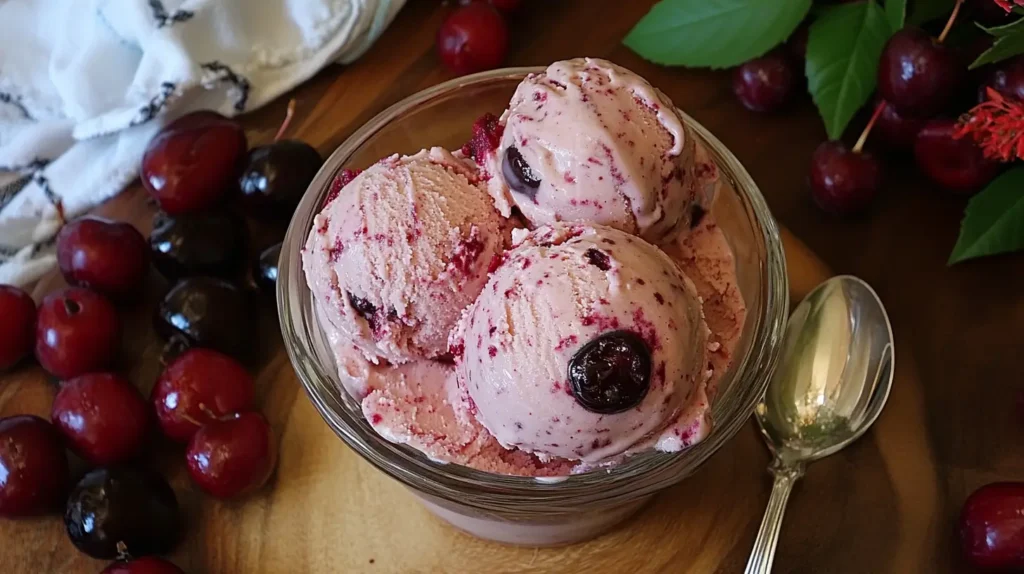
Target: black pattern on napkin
156,104
163,18
224,73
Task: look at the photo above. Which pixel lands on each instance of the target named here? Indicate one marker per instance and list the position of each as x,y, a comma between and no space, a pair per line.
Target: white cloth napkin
84,85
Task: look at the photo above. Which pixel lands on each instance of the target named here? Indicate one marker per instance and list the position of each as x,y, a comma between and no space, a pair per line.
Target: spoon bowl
830,385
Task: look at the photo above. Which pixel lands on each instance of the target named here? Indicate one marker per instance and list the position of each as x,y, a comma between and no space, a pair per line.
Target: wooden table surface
887,504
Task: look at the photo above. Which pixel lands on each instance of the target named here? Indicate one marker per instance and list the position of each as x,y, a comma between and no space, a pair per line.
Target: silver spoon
831,383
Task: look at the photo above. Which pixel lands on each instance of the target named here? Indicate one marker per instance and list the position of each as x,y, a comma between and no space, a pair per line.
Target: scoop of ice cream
588,141
400,252
585,342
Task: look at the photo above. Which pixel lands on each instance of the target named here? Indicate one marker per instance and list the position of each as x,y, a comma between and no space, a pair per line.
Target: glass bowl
511,509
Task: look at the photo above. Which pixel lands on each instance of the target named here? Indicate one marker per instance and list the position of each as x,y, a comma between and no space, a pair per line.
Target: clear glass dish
512,509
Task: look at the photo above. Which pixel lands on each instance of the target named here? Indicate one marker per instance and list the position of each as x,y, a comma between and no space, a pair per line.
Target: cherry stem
857,147
949,23
287,120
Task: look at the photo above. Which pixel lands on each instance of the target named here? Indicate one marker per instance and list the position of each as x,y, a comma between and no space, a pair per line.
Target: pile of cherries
204,399
474,37
923,85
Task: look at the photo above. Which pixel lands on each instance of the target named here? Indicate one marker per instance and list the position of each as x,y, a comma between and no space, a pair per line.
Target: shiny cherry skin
193,161
276,176
957,165
991,527
122,510
77,332
264,271
102,416
1008,80
208,312
612,373
473,38
896,132
144,565
34,475
212,242
842,181
106,256
233,457
18,327
919,76
198,387
767,83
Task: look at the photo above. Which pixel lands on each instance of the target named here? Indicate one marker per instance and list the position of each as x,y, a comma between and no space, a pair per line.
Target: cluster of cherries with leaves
923,106
205,397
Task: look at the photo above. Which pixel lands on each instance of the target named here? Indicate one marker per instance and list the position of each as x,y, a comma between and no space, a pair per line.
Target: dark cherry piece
955,164
198,387
612,373
107,256
1008,80
34,475
122,511
895,131
485,138
473,38
77,332
843,181
767,83
206,243
518,174
276,176
193,161
991,527
144,565
208,312
102,417
18,326
264,272
232,457
918,75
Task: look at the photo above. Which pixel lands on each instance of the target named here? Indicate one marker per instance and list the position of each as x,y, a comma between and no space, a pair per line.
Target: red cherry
112,258
145,565
991,527
843,181
955,164
199,387
232,457
34,475
18,326
1009,80
896,131
193,161
765,84
102,416
473,38
918,75
77,332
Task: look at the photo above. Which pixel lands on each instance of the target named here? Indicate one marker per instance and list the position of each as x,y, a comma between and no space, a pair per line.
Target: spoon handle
763,554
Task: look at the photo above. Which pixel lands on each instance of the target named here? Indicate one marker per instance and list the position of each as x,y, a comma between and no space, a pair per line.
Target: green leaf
843,50
896,13
994,219
1009,42
928,10
717,34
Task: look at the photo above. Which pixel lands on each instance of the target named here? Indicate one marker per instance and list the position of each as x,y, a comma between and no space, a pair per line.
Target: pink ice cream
588,141
399,253
567,295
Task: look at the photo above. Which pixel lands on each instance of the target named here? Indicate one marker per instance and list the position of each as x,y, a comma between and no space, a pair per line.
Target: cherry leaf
994,220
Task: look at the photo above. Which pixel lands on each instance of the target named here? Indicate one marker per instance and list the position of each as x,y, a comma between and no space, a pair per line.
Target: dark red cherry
473,38
612,373
955,164
77,332
144,565
991,527
18,327
34,475
193,161
897,132
518,174
106,256
208,312
276,176
1008,79
264,271
233,457
919,76
767,83
102,416
210,242
843,181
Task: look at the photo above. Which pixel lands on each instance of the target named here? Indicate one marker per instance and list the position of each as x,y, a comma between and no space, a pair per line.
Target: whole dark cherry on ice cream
144,565
193,161
611,373
473,38
107,256
18,327
232,457
77,332
34,475
102,416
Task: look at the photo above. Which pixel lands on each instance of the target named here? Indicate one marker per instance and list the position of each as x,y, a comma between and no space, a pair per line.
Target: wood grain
886,504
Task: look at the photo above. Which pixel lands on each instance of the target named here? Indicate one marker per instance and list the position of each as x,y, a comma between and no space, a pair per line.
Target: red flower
1008,5
997,125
